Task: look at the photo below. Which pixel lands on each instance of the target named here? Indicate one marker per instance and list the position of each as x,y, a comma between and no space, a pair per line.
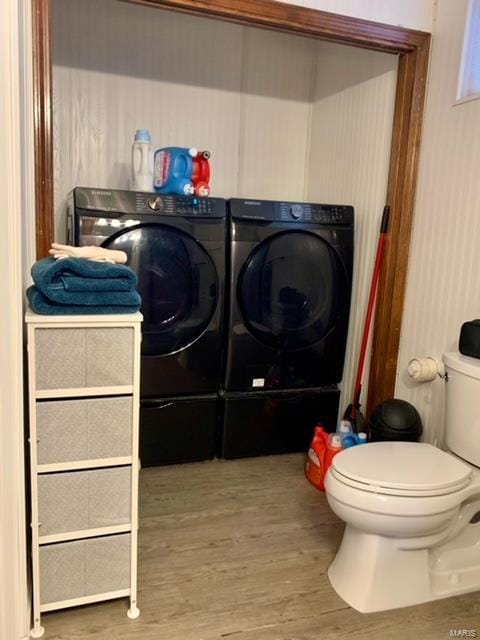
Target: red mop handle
370,308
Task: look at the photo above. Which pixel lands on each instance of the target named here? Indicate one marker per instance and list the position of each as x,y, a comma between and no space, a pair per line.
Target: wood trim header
300,20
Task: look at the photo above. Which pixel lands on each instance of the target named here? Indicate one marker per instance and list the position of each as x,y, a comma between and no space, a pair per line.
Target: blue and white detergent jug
173,170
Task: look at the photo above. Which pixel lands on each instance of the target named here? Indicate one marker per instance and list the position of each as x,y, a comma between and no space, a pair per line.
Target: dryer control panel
135,202
294,212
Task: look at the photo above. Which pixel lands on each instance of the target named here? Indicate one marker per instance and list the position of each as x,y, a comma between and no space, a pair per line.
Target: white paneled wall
242,93
349,155
15,181
443,285
412,14
276,96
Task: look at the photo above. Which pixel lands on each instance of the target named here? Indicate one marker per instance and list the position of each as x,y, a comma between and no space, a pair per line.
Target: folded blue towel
66,281
45,307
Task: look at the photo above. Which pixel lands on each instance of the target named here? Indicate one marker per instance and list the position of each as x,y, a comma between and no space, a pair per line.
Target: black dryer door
292,290
177,281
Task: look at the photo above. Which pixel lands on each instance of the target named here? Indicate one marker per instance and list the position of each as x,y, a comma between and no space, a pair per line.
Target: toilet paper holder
426,369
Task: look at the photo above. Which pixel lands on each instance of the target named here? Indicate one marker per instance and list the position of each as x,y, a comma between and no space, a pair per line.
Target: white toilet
411,510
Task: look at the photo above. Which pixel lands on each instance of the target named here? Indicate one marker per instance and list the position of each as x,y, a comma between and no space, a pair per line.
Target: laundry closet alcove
285,117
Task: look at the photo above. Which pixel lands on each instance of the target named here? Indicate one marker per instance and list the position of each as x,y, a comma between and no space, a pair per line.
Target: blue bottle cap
143,135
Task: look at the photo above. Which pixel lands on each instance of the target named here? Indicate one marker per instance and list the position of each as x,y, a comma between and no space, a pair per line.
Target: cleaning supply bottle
344,429
142,161
315,463
352,439
334,447
173,170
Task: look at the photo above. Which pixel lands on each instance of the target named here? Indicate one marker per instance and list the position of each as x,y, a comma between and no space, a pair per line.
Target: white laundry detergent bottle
142,161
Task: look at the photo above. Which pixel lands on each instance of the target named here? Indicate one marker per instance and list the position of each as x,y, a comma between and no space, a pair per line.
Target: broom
352,412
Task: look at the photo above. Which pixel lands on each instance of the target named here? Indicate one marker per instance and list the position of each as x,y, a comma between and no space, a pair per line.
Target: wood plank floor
240,549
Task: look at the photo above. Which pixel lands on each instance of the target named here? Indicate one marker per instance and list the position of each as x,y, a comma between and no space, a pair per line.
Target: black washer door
292,290
177,281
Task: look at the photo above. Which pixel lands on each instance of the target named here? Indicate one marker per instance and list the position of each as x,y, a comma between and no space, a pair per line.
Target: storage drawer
174,430
82,568
79,358
69,430
80,500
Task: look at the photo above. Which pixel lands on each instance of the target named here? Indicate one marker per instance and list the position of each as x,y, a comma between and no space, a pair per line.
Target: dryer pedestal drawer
269,422
71,570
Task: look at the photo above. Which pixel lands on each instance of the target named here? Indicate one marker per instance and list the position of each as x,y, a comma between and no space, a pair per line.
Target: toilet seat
406,469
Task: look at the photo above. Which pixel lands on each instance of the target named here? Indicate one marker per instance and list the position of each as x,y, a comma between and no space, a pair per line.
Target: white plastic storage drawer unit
84,376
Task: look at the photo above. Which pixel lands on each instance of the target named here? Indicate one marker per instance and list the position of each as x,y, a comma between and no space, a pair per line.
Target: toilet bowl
406,506
412,511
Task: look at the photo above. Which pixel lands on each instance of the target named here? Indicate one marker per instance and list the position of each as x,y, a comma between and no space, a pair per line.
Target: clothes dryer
290,280
289,302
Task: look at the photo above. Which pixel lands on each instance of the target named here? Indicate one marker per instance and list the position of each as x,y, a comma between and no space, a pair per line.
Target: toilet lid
401,467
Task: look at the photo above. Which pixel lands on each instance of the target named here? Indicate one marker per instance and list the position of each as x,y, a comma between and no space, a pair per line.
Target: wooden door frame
413,49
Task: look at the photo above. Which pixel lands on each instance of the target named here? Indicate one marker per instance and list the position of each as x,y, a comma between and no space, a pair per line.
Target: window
469,82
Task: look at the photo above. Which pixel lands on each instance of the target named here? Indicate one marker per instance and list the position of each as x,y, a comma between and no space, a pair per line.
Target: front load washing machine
176,246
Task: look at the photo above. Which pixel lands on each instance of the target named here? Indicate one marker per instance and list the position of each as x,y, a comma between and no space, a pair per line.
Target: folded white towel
98,254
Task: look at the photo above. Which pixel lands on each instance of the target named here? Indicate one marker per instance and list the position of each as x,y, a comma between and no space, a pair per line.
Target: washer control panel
294,212
136,202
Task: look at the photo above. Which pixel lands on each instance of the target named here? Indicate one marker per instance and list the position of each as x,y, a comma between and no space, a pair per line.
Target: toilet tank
462,419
